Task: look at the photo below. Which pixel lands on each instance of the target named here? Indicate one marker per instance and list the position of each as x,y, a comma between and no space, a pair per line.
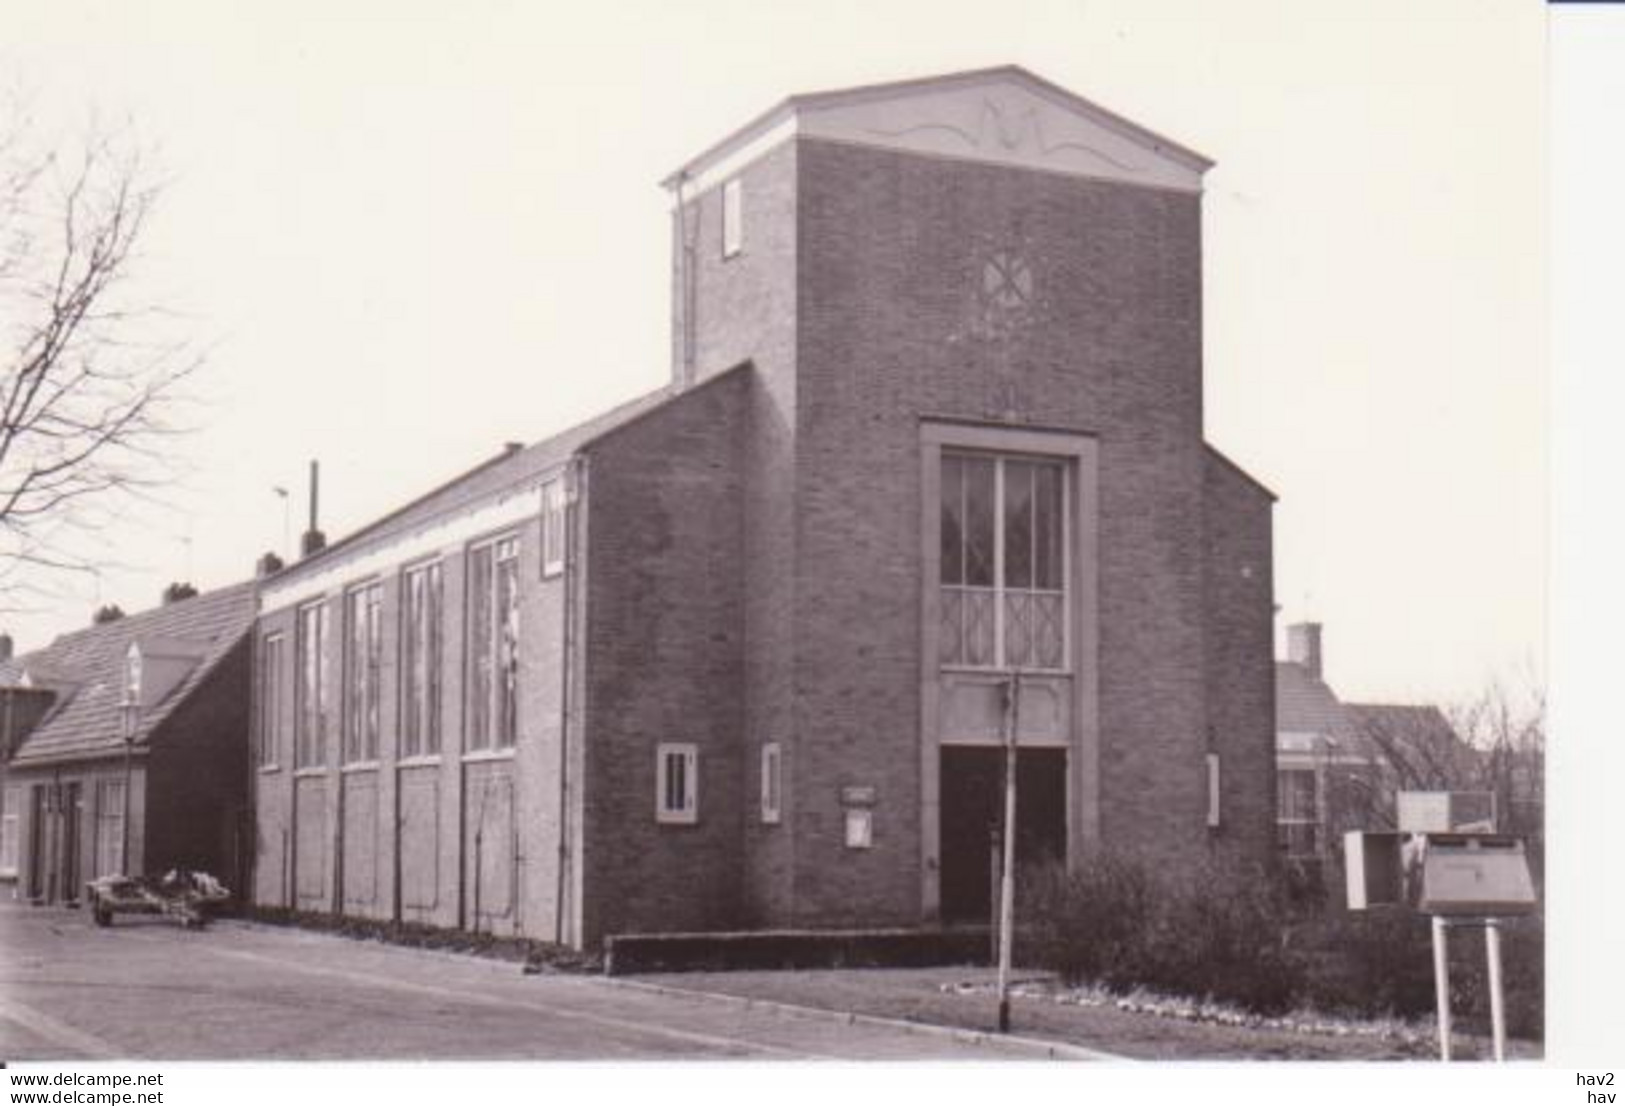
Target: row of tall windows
493,666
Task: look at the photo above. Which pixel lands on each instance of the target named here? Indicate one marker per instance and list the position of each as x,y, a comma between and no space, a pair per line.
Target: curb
1044,1049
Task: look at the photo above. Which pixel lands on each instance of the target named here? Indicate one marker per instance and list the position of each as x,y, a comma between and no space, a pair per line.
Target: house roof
1419,735
512,472
511,469
1003,113
86,670
1394,716
1304,704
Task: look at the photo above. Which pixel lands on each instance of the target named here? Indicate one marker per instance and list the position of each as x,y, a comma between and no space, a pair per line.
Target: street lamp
1007,887
129,714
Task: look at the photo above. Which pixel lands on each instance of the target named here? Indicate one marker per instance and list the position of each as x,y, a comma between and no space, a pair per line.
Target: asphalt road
148,989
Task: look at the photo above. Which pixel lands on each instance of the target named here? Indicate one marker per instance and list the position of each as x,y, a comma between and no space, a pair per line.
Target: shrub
1234,934
1218,935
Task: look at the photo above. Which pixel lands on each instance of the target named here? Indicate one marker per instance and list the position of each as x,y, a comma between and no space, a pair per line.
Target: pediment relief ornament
1012,130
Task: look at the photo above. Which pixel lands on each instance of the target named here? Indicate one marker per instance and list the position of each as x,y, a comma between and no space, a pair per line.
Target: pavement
146,988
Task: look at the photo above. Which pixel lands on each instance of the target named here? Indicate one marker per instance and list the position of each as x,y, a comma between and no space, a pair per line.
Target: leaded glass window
310,706
1002,599
363,662
421,660
494,644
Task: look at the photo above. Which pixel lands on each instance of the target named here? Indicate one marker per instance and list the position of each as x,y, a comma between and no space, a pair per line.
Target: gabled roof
1401,718
427,521
1420,736
1304,704
86,670
1002,114
511,470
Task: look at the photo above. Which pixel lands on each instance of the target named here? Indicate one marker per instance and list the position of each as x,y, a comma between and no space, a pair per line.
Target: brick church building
736,654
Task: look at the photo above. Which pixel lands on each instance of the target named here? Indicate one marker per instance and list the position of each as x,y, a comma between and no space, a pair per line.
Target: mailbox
1475,874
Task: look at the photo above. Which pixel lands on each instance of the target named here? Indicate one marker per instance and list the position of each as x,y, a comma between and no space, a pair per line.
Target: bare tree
88,373
1508,731
1495,742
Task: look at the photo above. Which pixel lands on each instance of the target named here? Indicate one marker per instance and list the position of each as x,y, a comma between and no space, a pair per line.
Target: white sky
414,231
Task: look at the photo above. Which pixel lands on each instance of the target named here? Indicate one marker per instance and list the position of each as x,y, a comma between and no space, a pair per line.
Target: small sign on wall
860,828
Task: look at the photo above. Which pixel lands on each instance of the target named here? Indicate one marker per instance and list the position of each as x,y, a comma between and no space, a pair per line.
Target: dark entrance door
39,849
72,816
973,807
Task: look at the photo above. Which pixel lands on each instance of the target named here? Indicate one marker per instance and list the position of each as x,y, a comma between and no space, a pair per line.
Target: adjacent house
740,653
1340,765
127,747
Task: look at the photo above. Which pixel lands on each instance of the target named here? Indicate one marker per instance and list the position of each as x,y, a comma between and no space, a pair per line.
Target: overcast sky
413,231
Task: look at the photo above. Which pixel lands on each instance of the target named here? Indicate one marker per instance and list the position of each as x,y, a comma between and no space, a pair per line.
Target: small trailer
177,894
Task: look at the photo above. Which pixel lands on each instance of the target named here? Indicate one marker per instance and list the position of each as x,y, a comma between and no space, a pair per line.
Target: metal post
128,719
995,849
1007,883
1441,984
1498,1023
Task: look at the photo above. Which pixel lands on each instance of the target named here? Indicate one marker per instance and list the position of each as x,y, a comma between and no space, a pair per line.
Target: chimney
269,564
313,540
177,591
1303,646
7,647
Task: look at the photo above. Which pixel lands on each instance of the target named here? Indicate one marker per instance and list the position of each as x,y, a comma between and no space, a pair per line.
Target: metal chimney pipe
313,540
315,490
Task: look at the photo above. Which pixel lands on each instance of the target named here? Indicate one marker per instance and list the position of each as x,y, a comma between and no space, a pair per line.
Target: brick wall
1241,687
664,662
891,257
197,778
333,832
747,311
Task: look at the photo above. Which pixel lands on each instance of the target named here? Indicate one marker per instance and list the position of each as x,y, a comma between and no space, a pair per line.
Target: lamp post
1007,883
128,713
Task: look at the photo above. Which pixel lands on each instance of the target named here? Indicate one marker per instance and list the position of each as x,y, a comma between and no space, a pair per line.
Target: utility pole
1007,884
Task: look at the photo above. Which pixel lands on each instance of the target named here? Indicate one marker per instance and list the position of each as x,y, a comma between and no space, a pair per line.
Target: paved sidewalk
916,994
146,988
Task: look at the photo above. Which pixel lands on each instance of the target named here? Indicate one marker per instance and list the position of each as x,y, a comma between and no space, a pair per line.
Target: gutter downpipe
686,293
574,487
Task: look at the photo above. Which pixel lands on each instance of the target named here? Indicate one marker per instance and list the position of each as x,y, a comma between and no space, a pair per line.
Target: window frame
11,799
107,845
433,574
1285,824
733,218
688,754
555,504
310,749
502,549
268,718
772,784
1001,590
361,697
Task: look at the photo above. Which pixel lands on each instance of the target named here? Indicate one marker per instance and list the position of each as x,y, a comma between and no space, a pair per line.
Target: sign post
1441,982
1473,877
1498,1020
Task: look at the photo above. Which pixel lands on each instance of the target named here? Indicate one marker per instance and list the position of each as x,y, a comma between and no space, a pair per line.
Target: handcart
178,893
